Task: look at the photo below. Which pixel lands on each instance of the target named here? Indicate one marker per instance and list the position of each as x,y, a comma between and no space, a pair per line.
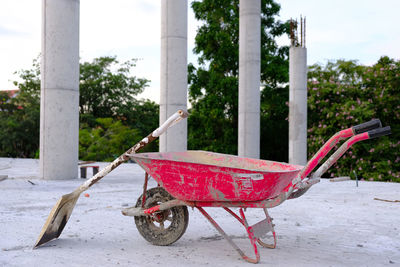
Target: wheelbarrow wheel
165,227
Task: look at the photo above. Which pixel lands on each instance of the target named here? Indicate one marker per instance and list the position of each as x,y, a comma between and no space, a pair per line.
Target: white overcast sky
363,30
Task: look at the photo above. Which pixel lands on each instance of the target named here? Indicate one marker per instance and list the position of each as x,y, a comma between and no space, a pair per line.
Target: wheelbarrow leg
230,241
146,179
251,236
259,229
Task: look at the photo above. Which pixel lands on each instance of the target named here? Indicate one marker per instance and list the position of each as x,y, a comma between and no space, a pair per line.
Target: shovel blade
57,219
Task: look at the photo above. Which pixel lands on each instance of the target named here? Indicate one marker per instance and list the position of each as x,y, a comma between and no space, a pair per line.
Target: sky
362,30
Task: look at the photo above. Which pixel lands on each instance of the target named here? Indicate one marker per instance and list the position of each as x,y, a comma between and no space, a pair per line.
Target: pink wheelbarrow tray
205,179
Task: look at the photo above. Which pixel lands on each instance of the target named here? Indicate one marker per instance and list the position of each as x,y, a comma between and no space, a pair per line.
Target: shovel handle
175,118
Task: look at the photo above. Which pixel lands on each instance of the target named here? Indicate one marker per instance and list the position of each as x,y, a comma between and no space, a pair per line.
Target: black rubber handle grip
367,126
379,132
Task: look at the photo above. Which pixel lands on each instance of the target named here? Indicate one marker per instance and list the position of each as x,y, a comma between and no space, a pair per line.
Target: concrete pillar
59,113
298,105
249,78
173,83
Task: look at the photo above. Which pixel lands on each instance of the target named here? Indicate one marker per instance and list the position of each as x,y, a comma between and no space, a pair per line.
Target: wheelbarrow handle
323,151
332,142
365,131
343,148
367,126
379,132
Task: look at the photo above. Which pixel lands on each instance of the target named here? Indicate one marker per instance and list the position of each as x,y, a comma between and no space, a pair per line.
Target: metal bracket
262,228
133,211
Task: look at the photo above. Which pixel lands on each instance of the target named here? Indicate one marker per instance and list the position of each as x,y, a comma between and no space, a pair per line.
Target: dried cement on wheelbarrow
333,224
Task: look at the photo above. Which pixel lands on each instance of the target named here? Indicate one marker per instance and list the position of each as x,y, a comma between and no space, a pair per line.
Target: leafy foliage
343,94
110,137
274,123
213,90
106,87
107,141
111,119
20,116
108,90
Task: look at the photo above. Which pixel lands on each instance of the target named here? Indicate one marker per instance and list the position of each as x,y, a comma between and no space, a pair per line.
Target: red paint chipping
208,176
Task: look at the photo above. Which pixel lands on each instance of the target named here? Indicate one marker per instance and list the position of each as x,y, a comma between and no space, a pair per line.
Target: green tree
213,90
343,94
107,92
107,141
20,116
106,87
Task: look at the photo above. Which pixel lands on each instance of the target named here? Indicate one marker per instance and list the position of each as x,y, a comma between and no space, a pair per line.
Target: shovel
61,212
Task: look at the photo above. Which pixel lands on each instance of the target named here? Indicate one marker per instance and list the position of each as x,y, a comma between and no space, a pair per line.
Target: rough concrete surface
173,71
298,105
333,224
249,78
59,100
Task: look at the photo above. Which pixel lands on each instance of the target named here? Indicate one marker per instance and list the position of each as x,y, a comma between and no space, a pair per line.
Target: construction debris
386,200
340,179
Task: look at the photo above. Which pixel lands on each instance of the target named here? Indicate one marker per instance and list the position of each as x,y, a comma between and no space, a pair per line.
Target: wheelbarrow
202,179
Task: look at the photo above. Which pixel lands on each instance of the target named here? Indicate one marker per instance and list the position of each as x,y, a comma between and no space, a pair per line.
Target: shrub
343,94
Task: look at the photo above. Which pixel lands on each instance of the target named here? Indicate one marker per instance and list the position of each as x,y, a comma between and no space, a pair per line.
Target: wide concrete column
173,95
59,113
298,105
249,78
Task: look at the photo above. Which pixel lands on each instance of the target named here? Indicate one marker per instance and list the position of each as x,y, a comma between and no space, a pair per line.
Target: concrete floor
334,224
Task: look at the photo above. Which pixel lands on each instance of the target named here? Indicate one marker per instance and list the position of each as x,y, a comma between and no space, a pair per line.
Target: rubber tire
147,228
